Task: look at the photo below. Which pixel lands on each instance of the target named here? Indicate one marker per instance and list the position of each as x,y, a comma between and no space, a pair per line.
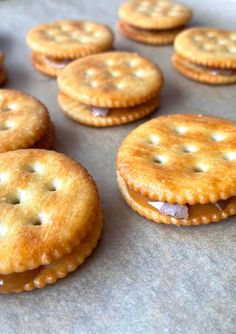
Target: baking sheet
143,277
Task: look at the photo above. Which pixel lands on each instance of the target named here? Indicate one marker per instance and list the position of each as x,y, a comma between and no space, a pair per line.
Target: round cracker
23,120
181,159
70,39
199,213
112,80
208,46
48,140
197,73
155,14
48,203
58,269
82,113
155,37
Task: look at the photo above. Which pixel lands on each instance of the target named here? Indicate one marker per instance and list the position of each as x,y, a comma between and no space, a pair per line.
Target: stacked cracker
50,218
153,21
3,73
56,44
109,89
180,169
206,55
24,122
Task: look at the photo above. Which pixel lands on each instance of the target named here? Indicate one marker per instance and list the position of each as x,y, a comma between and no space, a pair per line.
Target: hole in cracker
34,168
153,139
180,130
109,62
5,108
217,137
52,187
31,169
159,159
230,156
198,169
15,200
189,149
4,127
36,221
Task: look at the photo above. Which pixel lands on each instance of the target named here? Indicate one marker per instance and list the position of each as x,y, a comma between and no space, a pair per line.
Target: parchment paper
143,277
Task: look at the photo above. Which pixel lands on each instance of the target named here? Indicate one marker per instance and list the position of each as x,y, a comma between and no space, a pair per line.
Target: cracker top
70,39
23,120
181,159
113,80
208,46
154,14
48,202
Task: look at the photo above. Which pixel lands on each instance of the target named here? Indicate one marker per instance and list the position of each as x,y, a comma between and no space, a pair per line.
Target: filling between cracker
17,281
210,70
175,210
56,63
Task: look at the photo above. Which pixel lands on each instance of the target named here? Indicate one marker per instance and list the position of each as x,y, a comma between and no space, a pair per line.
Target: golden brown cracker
181,159
154,14
83,113
48,203
112,80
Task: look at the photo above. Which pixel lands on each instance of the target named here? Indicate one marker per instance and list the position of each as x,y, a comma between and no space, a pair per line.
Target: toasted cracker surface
47,205
208,46
70,39
23,120
155,37
198,213
83,113
113,80
181,159
154,14
201,74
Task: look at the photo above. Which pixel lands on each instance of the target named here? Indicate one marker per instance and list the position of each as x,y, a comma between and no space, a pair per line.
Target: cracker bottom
155,37
200,74
50,273
3,75
45,65
198,213
82,113
48,140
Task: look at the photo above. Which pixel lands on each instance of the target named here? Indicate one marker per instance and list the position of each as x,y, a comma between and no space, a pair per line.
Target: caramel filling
14,281
194,211
155,31
212,71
